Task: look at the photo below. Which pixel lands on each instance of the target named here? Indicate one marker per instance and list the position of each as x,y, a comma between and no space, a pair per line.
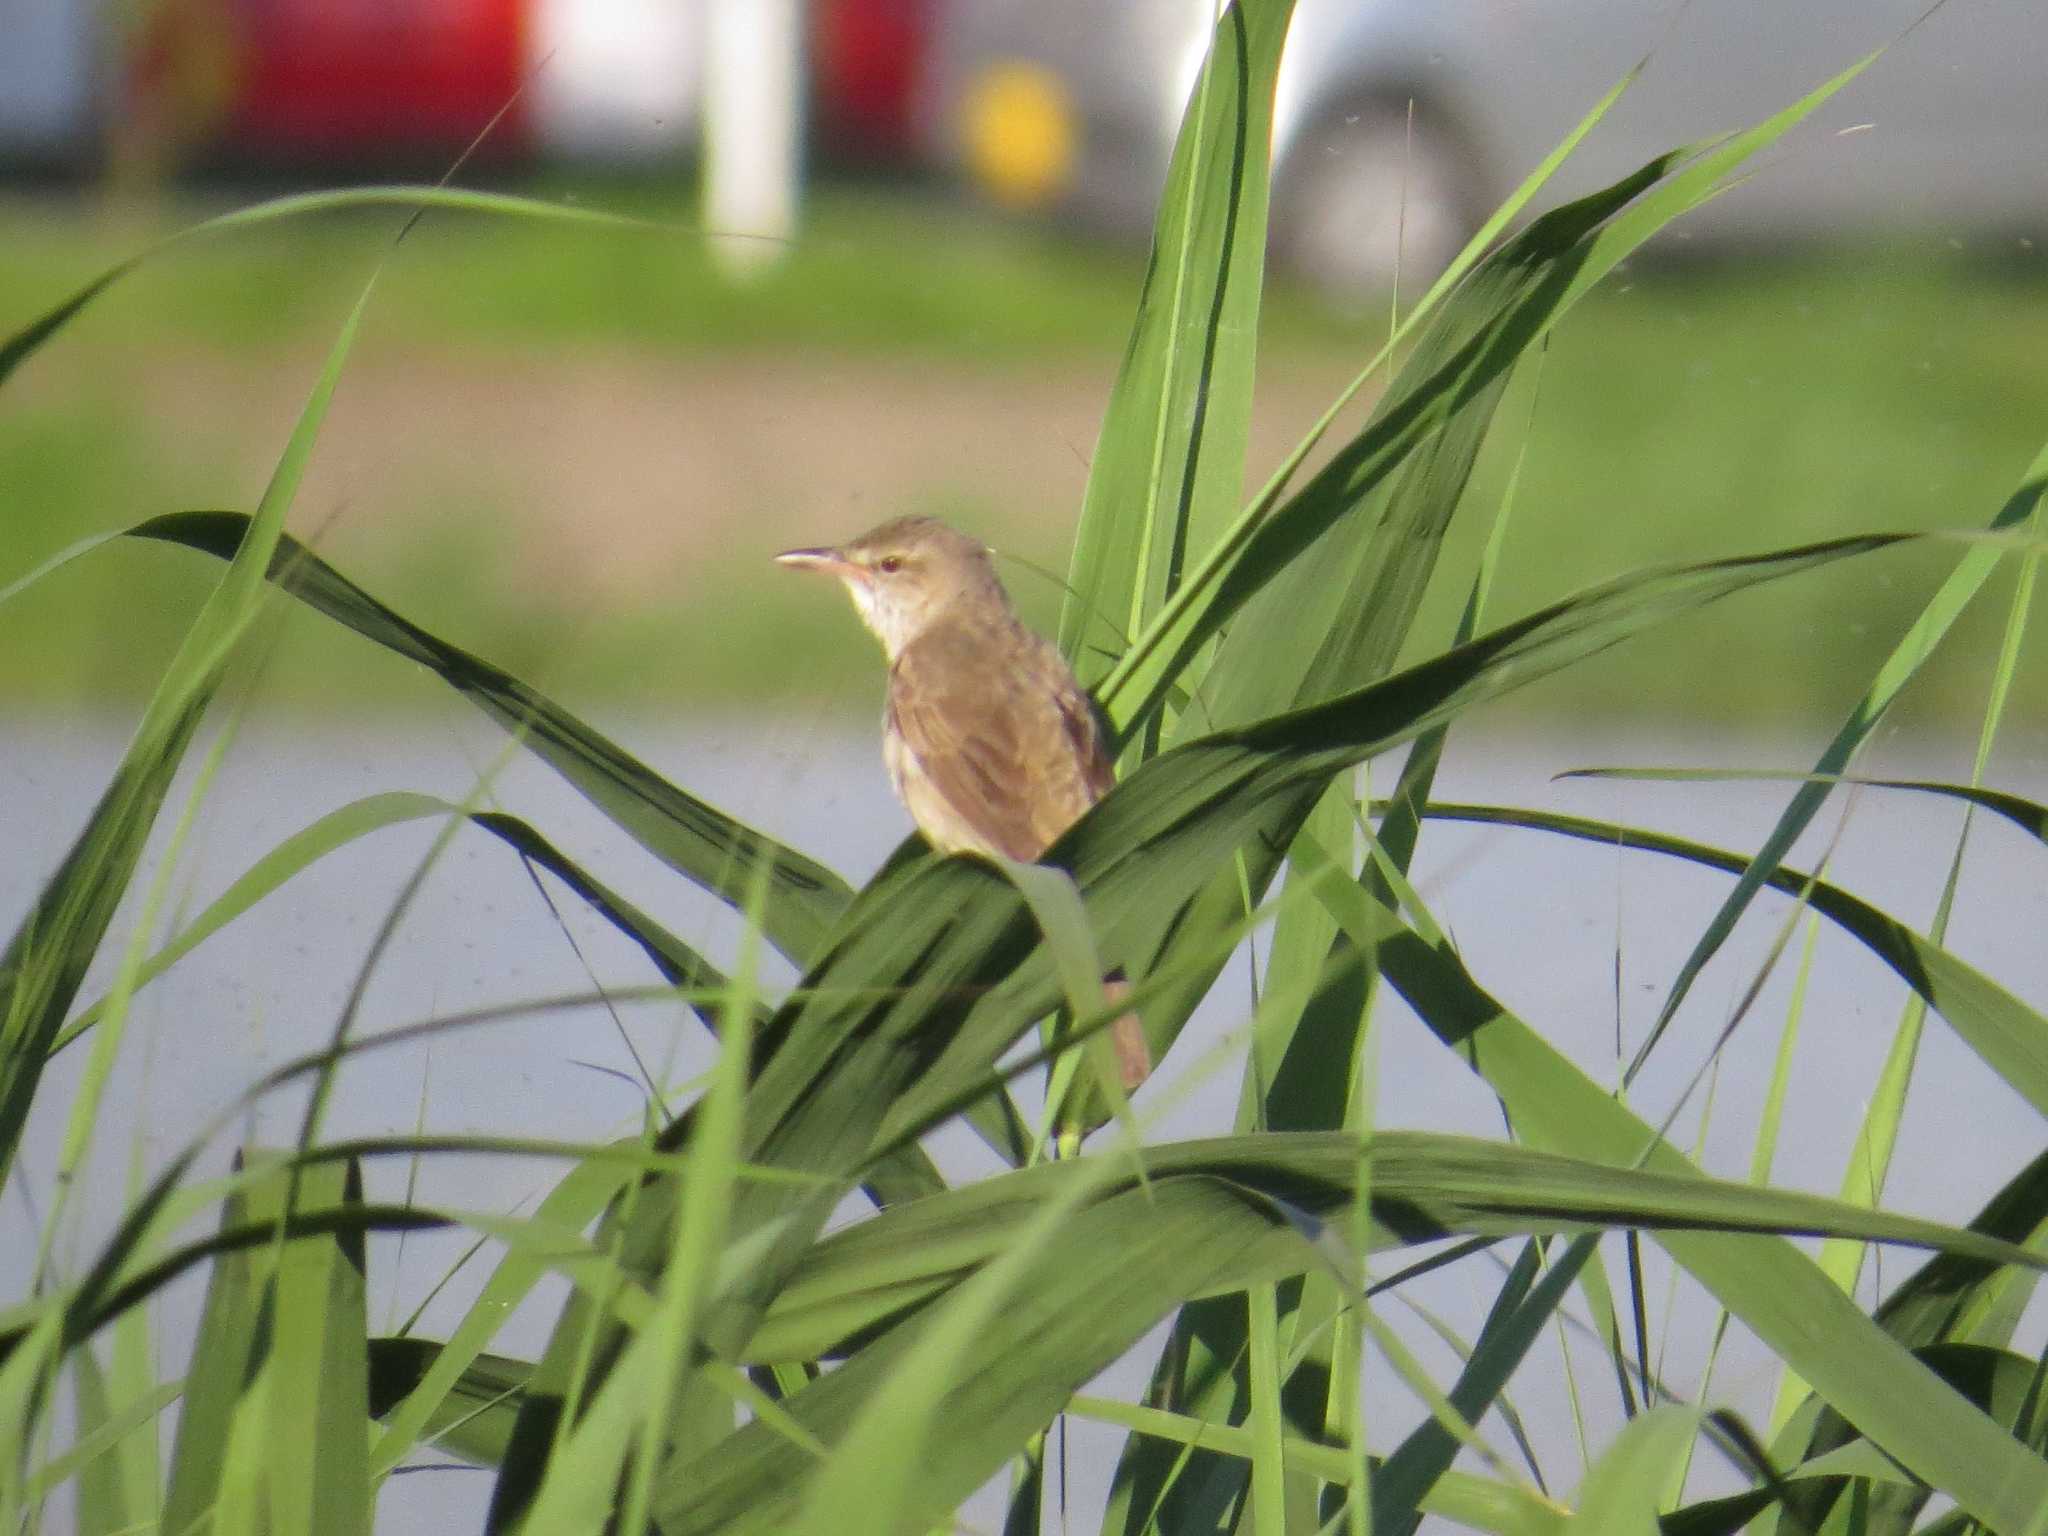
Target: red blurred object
867,69
354,78
301,82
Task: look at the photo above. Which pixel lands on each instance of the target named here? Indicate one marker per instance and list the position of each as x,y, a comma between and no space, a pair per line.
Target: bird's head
906,574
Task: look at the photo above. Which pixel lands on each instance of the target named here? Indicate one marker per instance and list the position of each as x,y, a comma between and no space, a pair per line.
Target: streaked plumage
992,745
1004,770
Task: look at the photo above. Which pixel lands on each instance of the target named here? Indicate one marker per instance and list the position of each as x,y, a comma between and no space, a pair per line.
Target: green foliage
729,1359
1686,410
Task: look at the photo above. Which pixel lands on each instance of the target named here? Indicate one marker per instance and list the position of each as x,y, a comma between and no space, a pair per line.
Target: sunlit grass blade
676,961
102,1506
1948,1299
23,343
1065,1316
1869,1163
743,1347
1203,581
1899,669
317,1447
2030,816
1624,1491
878,1478
224,1360
1062,920
46,959
1425,1186
638,1410
139,1454
1845,1474
1778,1292
1209,1218
1319,594
1510,1416
86,1309
1291,1083
1268,1491
1963,1299
472,1416
1510,301
1520,1312
572,1203
1401,825
695,839
1472,1502
676,1399
1169,465
96,1455
1300,628
1278,1093
2011,1037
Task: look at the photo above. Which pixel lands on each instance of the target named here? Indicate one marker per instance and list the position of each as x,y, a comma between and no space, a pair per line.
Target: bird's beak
829,561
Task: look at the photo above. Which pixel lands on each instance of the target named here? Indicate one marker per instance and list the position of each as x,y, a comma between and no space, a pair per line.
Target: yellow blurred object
1019,125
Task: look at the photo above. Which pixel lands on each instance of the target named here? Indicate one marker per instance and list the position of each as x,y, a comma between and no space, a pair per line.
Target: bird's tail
1127,1034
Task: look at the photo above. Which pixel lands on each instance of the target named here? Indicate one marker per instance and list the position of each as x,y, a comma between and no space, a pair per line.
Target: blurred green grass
1692,408
866,272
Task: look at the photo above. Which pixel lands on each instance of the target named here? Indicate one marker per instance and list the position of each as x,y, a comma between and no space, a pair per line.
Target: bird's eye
889,565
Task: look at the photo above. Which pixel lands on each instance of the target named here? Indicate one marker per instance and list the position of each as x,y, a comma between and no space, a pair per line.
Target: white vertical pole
753,111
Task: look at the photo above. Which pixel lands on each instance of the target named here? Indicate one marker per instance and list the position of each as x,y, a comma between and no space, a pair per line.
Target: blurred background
574,448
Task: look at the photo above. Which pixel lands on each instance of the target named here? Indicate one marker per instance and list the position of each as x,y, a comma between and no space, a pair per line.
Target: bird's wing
1002,734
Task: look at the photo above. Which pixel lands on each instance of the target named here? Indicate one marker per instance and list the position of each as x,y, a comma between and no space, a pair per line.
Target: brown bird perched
992,745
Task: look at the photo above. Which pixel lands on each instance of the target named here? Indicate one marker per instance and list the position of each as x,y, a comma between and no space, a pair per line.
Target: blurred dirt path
600,472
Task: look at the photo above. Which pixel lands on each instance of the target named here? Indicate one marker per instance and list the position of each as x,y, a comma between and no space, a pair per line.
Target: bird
991,742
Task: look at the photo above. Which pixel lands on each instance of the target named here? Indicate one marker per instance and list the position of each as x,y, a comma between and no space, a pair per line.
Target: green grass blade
1623,1492
1169,635
677,962
695,839
318,1407
23,343
44,963
102,1500
1947,1300
1169,464
1402,824
1511,300
1268,1459
1518,1316
55,563
332,831
1425,1186
225,1358
1322,593
708,1185
471,1418
1302,626
857,1052
878,1479
1899,669
571,1204
2011,1037
1291,1082
1779,1293
2030,816
1473,1503
1208,1218
139,1454
1062,920
98,1453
